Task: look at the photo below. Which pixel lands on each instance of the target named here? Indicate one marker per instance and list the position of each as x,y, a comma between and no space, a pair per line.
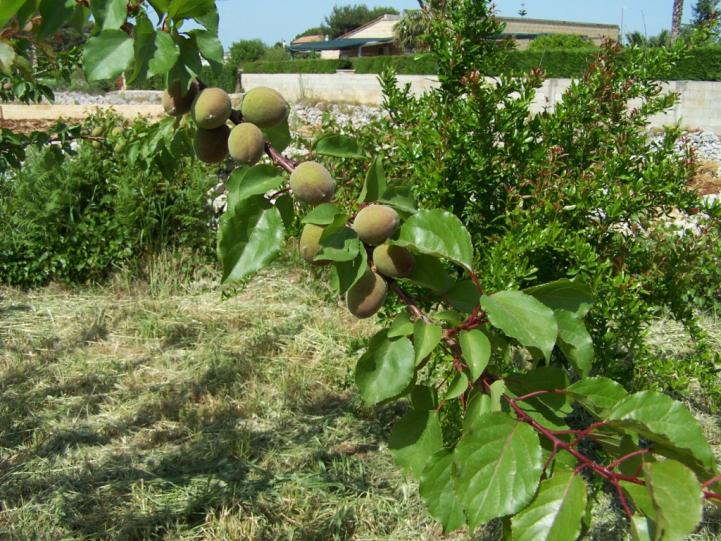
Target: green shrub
552,42
79,219
701,64
576,192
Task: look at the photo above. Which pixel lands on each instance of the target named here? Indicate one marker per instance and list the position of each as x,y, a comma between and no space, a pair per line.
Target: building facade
376,38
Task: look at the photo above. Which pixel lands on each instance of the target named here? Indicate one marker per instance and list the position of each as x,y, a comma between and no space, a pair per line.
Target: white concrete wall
698,108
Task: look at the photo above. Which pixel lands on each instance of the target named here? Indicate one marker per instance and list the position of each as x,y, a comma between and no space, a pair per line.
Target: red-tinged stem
613,465
712,481
408,301
539,393
279,160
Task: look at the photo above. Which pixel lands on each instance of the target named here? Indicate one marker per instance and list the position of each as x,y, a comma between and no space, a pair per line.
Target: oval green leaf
524,318
497,468
556,512
438,491
668,423
339,146
438,233
249,237
386,370
476,348
414,439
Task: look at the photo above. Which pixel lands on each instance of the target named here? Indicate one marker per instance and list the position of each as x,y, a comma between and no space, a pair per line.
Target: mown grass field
152,410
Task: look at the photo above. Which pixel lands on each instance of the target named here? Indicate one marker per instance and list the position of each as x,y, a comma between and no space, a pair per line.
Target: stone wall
699,107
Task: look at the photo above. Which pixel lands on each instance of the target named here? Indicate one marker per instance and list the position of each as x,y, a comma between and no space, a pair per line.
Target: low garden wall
698,108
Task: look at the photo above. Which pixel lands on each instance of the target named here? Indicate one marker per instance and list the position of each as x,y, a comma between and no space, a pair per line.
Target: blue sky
276,20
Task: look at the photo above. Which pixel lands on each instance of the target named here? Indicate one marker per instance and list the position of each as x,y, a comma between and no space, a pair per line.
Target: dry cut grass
156,411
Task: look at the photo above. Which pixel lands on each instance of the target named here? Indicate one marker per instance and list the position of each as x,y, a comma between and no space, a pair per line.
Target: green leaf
438,233
188,9
386,370
115,14
451,317
107,55
524,318
548,409
677,499
279,136
479,405
574,341
424,397
437,489
8,9
497,390
323,214
401,326
668,423
144,48
641,528
464,296
248,182
497,468
7,57
339,146
375,182
426,338
165,56
556,512
349,272
338,243
571,295
430,273
414,439
209,45
210,19
598,395
285,206
476,350
400,198
250,235
458,386
54,14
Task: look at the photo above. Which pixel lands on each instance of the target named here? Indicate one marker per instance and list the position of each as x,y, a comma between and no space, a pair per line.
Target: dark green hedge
703,64
405,65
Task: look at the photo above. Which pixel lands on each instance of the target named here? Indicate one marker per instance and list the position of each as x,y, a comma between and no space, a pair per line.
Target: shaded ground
155,411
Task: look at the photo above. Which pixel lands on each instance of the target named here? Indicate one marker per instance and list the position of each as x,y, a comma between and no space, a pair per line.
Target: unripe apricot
376,223
246,143
212,108
367,296
310,243
211,146
312,183
394,261
264,107
177,103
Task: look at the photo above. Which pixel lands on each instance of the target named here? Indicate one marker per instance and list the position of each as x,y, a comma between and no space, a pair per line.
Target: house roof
387,17
337,44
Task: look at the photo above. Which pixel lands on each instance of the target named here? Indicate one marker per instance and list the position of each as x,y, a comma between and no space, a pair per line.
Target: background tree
705,11
315,31
410,30
343,19
676,18
247,50
663,39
